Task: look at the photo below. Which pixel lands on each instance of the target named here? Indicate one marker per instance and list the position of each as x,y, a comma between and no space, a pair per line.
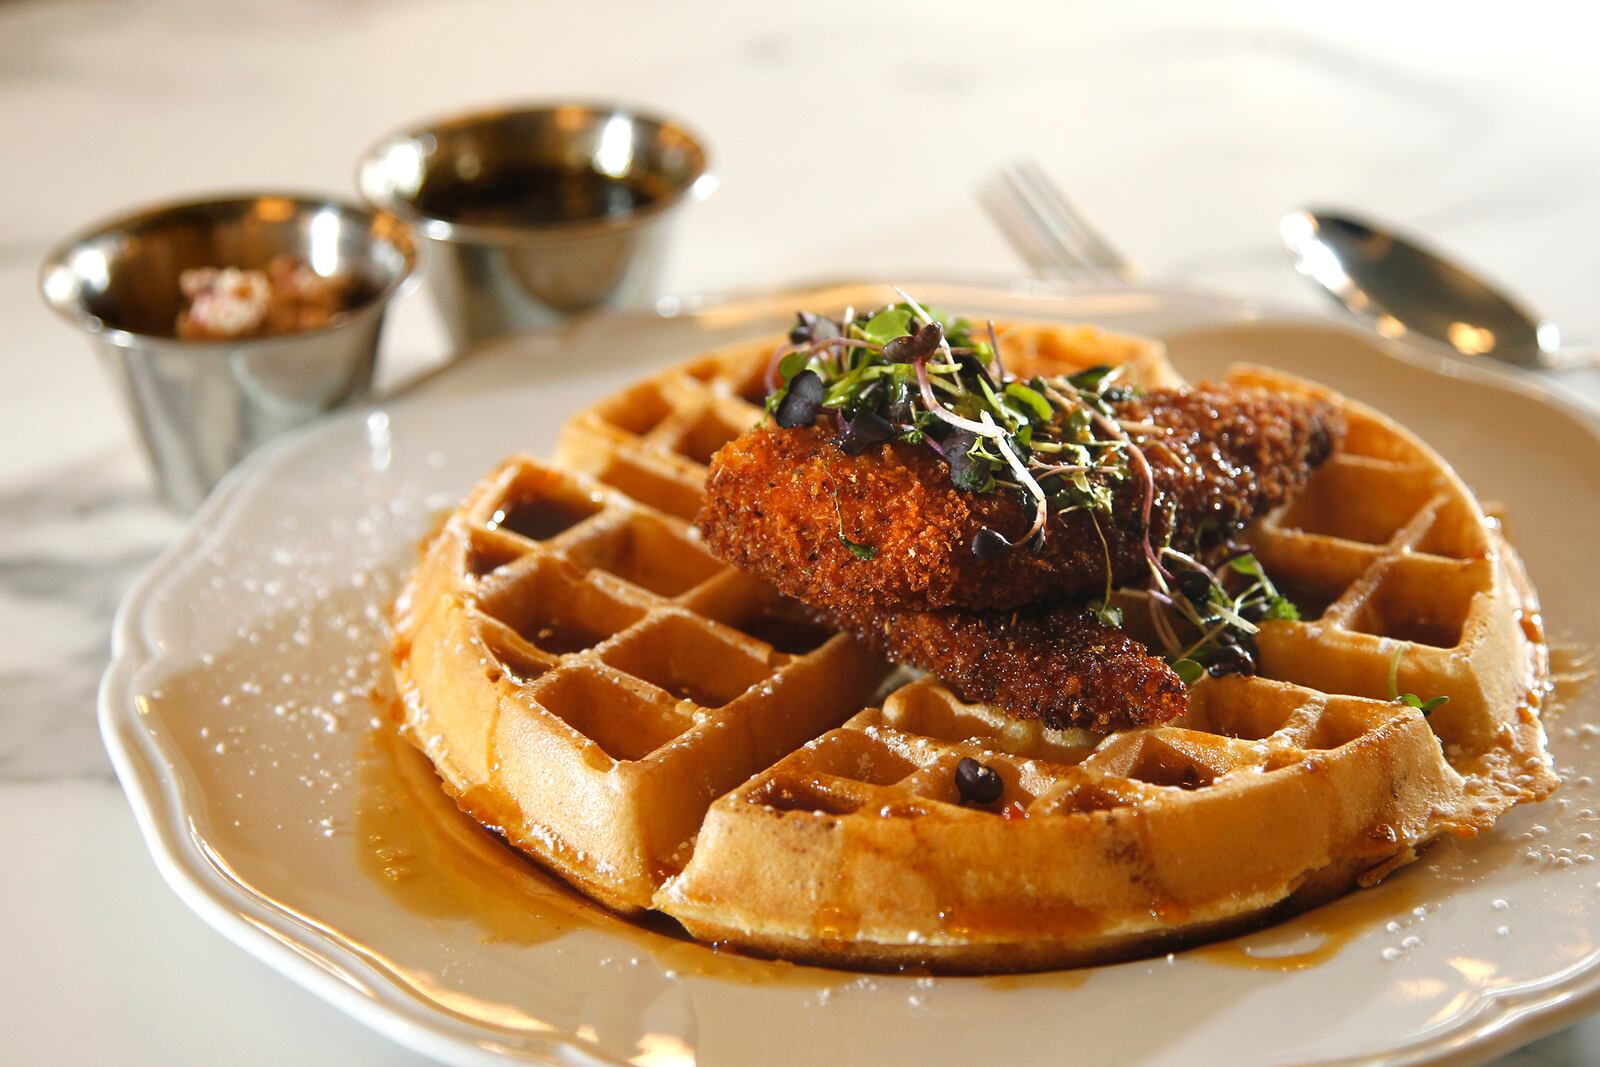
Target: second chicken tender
1059,665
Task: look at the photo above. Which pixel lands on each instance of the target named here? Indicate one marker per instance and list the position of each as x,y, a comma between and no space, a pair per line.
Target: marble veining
70,545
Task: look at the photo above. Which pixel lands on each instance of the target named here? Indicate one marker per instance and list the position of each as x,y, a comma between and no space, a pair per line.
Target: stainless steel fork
1044,227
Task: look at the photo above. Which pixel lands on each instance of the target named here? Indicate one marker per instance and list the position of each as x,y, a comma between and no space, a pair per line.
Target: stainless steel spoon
1402,288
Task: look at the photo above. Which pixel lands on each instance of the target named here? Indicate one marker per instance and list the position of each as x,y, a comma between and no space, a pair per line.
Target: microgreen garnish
858,549
1222,609
1106,612
1189,670
1410,700
914,374
1102,609
921,376
802,401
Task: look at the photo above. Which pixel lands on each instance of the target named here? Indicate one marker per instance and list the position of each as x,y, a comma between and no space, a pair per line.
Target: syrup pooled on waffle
666,732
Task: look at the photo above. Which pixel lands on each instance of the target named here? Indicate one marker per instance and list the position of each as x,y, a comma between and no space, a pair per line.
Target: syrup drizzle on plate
1328,930
1572,670
438,863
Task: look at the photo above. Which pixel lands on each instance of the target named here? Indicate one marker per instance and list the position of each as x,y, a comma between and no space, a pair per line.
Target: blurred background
849,139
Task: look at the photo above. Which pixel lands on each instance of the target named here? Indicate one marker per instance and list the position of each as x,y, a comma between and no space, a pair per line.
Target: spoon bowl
1401,287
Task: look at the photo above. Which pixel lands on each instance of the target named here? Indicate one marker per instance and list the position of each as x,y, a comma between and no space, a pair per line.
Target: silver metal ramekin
199,406
502,277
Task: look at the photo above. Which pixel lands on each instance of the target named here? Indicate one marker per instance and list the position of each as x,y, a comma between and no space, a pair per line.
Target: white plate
236,711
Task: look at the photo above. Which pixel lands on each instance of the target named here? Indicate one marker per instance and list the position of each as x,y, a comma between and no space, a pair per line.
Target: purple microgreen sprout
926,320
1041,510
994,347
925,384
802,401
861,431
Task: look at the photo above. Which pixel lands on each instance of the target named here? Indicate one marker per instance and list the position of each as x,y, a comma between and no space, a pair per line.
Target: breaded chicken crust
778,500
1059,665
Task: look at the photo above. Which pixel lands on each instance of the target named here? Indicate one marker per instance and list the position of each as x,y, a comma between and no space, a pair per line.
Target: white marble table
849,142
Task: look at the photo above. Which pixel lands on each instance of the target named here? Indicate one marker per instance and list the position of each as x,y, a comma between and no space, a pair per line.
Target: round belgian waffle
664,731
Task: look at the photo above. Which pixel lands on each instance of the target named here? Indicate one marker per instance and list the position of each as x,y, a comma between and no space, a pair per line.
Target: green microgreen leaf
1424,706
859,549
1005,416
1281,607
888,324
1032,400
790,365
1410,700
973,469
1246,564
1089,380
1077,427
1106,613
1188,670
847,391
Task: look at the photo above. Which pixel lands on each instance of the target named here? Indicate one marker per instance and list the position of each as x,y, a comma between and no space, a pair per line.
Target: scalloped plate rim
1497,1021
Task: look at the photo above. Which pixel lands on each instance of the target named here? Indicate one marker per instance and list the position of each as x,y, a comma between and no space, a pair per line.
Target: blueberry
1232,659
803,401
976,783
861,431
1255,611
1195,585
990,544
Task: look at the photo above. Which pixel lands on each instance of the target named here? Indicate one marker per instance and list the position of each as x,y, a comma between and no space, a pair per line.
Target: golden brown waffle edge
592,751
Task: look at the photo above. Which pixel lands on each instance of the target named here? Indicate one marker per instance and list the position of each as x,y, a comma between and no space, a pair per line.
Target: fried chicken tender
1059,665
778,500
881,544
